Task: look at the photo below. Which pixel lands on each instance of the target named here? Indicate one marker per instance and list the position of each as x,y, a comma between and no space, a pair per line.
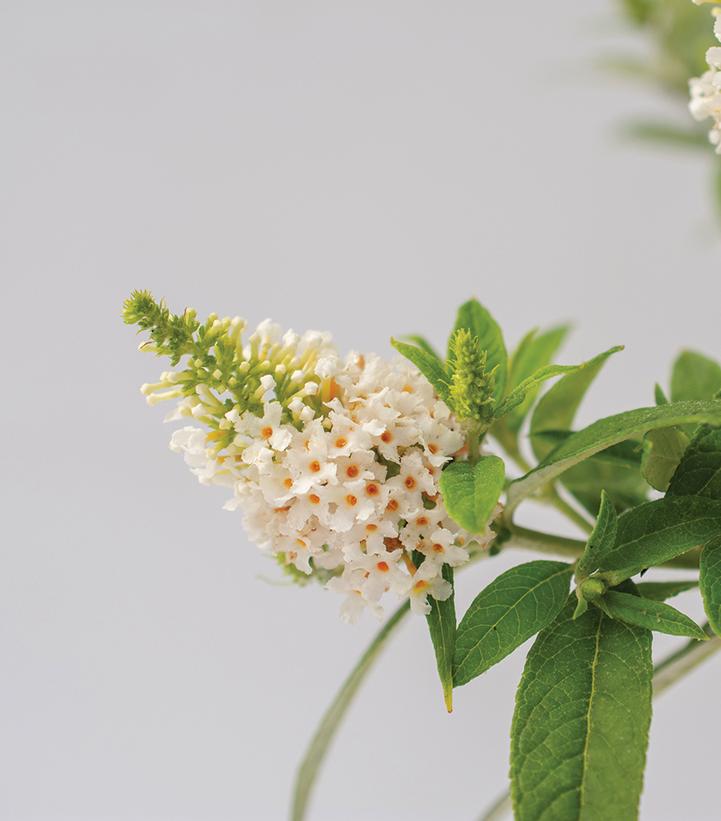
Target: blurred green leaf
536,350
666,134
660,591
694,376
663,450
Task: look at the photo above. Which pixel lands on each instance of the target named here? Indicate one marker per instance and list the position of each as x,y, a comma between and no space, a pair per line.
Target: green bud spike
219,372
472,384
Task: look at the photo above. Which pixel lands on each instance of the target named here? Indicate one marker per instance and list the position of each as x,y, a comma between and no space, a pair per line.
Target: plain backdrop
361,167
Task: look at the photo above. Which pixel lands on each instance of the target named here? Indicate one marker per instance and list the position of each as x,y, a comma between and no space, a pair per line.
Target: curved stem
683,661
545,542
498,810
552,497
561,505
317,750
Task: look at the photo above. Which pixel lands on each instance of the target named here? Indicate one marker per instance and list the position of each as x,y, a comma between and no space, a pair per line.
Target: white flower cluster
706,89
343,482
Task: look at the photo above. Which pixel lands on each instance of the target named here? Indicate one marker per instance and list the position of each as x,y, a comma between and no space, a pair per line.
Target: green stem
318,747
666,673
499,809
473,440
545,542
561,546
552,496
329,724
683,661
555,499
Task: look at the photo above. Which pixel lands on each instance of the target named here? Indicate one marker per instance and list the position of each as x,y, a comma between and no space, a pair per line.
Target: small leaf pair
473,377
634,537
473,380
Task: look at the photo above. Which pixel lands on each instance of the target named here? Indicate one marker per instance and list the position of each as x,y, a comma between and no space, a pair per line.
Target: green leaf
660,591
699,472
473,316
580,728
422,343
663,449
442,625
694,376
658,531
659,396
710,582
531,383
640,11
653,615
557,408
601,540
513,607
610,470
666,134
328,727
471,491
535,351
607,432
615,470
428,364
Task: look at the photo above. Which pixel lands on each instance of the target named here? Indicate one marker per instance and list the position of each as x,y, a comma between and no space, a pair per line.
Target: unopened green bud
593,589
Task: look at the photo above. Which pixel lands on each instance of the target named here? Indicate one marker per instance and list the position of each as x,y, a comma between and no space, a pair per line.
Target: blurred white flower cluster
706,89
340,477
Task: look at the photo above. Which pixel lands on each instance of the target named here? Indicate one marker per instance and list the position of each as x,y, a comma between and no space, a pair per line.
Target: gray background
360,167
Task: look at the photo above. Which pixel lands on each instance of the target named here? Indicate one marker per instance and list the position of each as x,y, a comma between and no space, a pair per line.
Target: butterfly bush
334,462
706,90
373,478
